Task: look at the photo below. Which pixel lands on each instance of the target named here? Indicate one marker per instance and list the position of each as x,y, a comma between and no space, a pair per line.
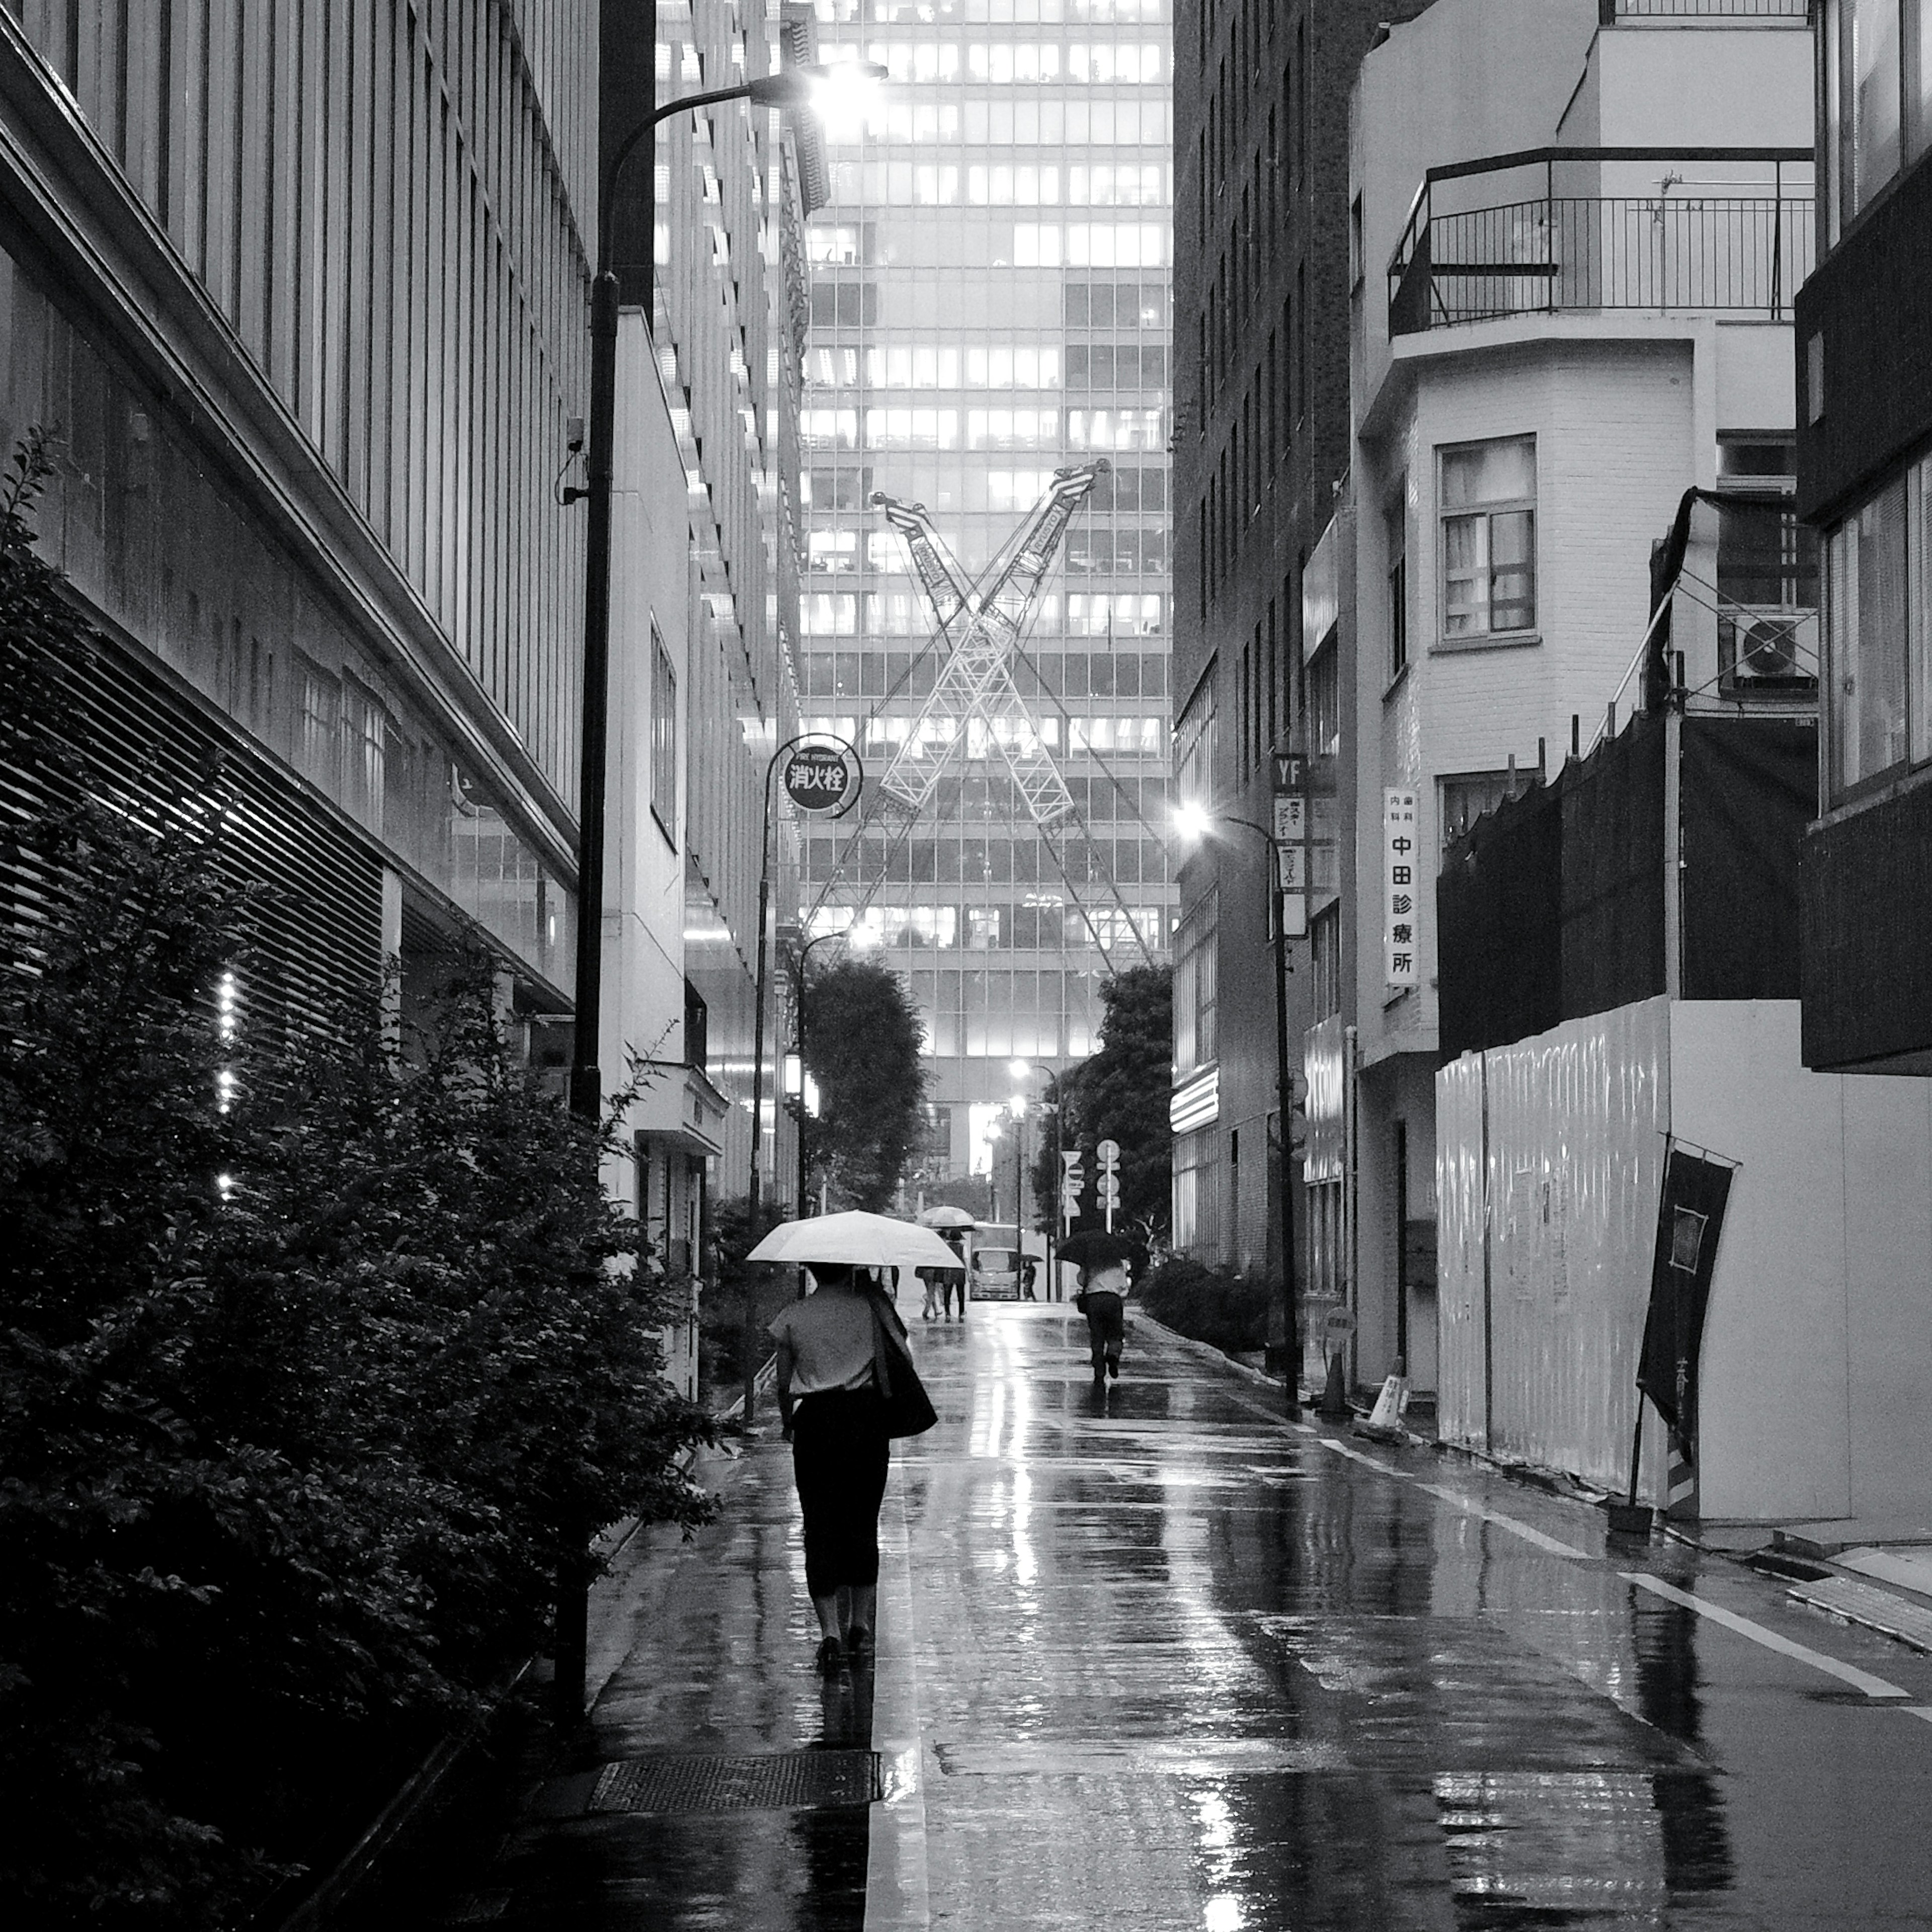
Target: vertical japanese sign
1290,842
1402,887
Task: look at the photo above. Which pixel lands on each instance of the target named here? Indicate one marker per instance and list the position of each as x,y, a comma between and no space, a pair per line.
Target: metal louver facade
315,937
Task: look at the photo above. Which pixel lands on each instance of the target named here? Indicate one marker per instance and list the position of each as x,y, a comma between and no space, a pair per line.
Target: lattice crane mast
973,697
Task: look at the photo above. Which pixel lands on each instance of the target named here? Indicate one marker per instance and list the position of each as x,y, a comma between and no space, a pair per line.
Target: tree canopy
863,1039
1119,1093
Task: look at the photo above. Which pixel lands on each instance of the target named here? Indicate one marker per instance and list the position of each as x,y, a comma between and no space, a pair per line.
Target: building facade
990,304
309,379
1864,431
300,293
1262,279
1572,307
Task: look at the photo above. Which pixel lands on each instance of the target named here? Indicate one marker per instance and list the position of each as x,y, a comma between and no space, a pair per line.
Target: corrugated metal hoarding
1549,1158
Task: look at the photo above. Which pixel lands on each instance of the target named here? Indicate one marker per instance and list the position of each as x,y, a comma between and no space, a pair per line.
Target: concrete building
310,384
1577,233
1261,438
708,245
1864,417
990,304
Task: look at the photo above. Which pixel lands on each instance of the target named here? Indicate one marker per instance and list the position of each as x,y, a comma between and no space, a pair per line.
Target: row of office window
1027,184
1125,123
1102,63
1086,366
984,739
1099,429
1025,13
1053,928
1114,615
1123,488
1097,305
1055,674
878,859
1088,552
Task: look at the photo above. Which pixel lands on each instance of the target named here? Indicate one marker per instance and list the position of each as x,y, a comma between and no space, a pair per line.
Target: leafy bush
1229,1311
317,1368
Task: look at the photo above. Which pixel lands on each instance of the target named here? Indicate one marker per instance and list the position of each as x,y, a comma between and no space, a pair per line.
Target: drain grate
790,1780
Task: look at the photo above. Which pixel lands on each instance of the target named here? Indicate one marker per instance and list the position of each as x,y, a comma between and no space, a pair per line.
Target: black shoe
858,1644
1113,1368
830,1661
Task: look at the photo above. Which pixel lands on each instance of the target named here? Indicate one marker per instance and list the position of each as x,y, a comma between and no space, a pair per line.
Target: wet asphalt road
1162,1661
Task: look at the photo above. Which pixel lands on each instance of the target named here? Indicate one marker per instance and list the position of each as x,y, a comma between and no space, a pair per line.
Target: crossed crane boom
980,623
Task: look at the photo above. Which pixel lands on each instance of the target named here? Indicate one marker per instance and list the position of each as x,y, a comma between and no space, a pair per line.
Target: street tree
1119,1093
864,1042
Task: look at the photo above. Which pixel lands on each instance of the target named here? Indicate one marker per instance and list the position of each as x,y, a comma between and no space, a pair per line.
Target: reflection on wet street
1158,1659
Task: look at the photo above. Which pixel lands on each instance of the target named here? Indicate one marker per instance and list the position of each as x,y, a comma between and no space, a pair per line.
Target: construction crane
974,709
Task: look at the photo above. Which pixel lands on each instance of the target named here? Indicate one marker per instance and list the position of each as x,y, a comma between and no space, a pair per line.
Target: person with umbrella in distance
846,1386
951,1225
1103,1260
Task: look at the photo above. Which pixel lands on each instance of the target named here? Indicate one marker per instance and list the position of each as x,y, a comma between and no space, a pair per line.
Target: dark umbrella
1096,1248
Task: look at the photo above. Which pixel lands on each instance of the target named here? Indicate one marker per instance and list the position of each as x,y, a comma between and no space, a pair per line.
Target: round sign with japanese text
1340,1323
823,778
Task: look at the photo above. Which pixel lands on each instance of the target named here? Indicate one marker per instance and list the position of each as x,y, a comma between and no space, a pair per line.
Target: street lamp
790,87
1195,822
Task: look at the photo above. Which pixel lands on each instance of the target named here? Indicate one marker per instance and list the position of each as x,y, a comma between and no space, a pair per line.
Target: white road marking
1845,1673
1916,1711
897,1896
1470,1507
1374,1462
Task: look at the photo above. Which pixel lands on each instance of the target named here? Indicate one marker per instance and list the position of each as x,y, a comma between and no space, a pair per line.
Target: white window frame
1486,511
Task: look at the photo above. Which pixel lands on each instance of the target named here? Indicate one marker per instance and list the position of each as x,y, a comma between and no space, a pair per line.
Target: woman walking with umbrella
846,1386
1102,1260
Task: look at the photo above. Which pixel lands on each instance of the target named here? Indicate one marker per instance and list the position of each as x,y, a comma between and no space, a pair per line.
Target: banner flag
1690,1217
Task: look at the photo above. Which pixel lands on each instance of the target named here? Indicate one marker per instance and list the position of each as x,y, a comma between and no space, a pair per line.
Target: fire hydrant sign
1402,887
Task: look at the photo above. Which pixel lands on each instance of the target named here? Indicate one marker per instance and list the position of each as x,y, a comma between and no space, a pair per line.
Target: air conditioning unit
1763,648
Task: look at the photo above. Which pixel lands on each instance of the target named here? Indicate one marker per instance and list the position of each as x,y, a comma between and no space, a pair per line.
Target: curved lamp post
1195,822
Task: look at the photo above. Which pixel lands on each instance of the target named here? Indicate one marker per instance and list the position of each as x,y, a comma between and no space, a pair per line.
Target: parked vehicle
996,1260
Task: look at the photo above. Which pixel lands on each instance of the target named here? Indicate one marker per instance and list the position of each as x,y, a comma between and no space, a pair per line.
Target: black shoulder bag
908,1408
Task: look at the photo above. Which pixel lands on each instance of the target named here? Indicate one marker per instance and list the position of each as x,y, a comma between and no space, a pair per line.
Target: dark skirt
840,1454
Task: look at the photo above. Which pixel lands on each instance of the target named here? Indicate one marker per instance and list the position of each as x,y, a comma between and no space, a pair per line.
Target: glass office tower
990,293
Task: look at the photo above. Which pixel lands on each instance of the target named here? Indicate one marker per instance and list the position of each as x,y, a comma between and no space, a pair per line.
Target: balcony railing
1727,230
1609,12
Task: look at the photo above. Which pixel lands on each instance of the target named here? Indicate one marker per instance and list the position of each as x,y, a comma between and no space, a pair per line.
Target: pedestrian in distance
952,1281
1104,1288
835,1421
1029,1275
929,1280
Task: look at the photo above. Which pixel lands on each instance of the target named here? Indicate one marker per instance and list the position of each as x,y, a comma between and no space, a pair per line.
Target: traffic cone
1384,1423
1334,1403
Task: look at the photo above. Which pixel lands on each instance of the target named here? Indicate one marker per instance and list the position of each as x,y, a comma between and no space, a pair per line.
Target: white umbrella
855,1240
944,1216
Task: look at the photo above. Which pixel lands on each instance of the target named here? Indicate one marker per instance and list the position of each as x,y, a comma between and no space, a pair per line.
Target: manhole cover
789,1780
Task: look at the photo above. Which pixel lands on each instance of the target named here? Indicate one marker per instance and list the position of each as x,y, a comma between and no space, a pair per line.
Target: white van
996,1262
